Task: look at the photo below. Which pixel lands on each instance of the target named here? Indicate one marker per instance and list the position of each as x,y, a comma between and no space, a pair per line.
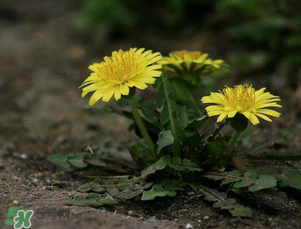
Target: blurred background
47,45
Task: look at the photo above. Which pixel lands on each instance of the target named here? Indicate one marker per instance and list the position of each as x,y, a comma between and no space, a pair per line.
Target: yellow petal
253,119
95,97
231,114
124,89
264,117
117,93
222,116
108,94
214,113
269,112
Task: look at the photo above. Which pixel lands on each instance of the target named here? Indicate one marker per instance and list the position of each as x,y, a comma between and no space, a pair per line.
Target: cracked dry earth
42,113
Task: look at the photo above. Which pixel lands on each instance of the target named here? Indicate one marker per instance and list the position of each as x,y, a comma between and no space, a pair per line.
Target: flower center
241,97
119,68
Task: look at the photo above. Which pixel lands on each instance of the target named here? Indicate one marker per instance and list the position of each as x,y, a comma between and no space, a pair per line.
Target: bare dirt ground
42,64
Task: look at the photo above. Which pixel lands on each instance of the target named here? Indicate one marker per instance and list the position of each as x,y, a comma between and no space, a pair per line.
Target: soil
42,63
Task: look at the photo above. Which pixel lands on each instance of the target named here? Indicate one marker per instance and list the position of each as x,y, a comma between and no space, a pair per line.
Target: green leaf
166,188
91,200
290,178
264,182
95,161
191,143
249,179
197,123
84,188
159,165
140,155
187,94
77,160
96,187
60,160
149,111
170,109
160,96
165,139
157,191
222,202
183,165
133,192
92,186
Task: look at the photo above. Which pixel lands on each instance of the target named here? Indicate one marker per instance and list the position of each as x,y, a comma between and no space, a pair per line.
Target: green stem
233,141
172,124
194,103
175,147
142,128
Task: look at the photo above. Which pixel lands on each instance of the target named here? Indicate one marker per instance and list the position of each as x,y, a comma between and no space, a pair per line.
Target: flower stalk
142,127
233,141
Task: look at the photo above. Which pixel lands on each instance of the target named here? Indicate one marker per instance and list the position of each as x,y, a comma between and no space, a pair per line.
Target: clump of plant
178,147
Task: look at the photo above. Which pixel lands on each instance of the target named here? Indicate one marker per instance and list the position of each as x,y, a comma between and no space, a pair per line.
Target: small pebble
189,226
23,156
44,187
131,212
190,193
16,202
15,178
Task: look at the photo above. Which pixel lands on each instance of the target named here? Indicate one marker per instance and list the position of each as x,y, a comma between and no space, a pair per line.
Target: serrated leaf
95,161
249,179
77,160
183,165
290,178
166,188
159,165
187,94
131,193
222,202
157,191
60,160
191,143
92,196
96,187
264,182
140,155
91,200
165,139
160,96
197,123
84,188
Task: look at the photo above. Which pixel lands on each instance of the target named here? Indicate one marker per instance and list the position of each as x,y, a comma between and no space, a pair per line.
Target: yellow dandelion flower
243,99
185,61
118,73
